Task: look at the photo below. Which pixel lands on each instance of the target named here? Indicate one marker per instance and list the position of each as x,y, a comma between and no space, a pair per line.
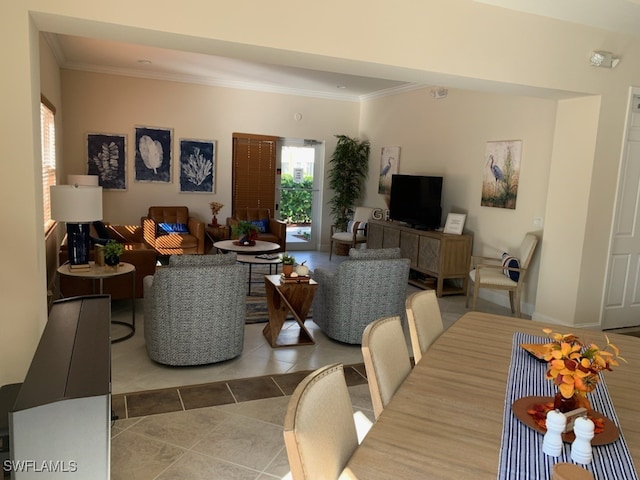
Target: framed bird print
389,160
501,174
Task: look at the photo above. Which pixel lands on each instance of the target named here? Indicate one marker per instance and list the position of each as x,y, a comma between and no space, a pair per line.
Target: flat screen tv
416,200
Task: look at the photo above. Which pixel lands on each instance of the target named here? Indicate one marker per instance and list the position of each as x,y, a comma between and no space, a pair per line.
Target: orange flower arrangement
574,366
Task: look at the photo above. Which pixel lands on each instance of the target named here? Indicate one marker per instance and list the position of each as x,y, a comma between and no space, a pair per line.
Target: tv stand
436,258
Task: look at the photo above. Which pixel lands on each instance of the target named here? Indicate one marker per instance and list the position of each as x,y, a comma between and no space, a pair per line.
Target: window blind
254,171
48,132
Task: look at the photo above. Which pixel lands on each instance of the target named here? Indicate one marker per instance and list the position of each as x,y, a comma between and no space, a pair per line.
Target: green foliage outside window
295,200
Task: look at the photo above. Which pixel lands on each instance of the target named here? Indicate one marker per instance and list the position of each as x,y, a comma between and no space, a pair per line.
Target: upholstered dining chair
386,360
424,319
494,273
319,429
356,230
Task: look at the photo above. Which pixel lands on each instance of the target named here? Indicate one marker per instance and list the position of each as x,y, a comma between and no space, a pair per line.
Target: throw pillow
165,228
261,225
512,262
374,253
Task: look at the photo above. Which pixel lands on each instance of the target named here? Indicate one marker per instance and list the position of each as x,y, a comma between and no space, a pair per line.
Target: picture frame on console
197,166
455,223
107,158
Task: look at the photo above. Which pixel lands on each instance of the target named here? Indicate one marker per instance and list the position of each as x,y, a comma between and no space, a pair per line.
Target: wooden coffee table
283,298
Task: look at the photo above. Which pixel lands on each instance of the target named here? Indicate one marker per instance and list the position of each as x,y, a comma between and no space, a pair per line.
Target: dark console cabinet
60,423
436,255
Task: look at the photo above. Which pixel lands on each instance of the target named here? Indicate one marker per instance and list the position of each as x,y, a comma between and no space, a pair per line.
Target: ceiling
106,56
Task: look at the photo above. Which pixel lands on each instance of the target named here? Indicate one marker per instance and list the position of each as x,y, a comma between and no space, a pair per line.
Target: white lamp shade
89,180
76,204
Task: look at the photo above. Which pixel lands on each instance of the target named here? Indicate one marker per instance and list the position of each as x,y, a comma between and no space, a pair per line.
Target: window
48,128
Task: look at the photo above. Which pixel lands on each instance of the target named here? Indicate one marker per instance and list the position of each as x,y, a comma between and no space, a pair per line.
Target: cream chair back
386,360
527,247
319,429
362,214
424,319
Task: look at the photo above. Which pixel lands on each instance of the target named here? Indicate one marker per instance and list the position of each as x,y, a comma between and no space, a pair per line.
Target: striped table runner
521,456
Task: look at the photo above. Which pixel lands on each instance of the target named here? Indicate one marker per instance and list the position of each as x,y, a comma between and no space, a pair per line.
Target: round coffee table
259,247
257,260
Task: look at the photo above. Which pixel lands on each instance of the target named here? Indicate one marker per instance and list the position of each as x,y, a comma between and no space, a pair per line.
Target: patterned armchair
370,285
194,310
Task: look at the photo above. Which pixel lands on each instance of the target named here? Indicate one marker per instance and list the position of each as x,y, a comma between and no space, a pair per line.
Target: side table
283,298
217,233
97,272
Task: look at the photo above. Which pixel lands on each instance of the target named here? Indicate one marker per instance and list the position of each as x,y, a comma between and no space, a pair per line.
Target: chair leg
511,302
466,304
517,302
476,289
330,248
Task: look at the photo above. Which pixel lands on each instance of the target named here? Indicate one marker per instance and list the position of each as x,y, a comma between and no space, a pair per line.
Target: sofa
370,284
171,231
136,252
195,310
269,228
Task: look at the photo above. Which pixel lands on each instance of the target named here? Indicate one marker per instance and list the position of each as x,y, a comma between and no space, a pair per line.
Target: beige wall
448,137
454,43
115,104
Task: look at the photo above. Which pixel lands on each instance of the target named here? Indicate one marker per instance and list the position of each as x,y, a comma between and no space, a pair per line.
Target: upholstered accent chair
270,228
386,360
496,274
319,429
424,320
171,231
195,309
370,284
356,232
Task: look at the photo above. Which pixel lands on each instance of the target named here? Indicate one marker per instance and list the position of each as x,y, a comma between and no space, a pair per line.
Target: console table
441,256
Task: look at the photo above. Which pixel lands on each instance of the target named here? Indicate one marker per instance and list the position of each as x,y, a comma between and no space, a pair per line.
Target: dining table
452,416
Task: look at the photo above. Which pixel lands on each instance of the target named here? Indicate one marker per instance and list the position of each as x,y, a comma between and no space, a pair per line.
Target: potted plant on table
349,169
246,232
112,251
287,264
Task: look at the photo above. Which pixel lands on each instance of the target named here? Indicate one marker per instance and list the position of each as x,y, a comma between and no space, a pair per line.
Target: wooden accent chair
490,272
171,231
319,430
271,229
425,321
356,230
386,360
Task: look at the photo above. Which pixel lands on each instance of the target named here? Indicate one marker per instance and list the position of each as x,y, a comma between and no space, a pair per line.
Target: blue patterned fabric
166,228
261,225
521,456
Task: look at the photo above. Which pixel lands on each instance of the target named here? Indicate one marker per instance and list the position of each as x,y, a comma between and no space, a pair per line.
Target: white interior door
622,292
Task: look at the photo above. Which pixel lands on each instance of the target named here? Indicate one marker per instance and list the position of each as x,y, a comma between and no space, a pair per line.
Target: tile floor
223,421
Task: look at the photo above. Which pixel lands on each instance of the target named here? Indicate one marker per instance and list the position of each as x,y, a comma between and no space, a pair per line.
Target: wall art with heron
501,174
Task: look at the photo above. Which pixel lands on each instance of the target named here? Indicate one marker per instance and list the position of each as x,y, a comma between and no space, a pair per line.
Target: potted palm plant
349,169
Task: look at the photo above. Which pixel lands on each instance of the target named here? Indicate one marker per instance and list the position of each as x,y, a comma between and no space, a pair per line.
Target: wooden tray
520,407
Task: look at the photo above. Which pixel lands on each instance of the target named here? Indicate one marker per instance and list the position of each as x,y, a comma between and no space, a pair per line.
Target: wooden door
254,172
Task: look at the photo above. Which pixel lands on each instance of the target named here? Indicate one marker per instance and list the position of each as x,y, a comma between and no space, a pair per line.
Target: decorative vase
214,221
246,241
567,404
287,269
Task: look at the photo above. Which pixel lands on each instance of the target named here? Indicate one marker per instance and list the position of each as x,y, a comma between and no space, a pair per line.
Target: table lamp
78,206
88,180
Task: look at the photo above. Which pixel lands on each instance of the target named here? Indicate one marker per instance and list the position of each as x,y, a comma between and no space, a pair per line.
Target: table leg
132,325
279,306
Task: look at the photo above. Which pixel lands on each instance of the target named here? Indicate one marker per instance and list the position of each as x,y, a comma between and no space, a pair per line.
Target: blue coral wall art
106,158
197,165
153,154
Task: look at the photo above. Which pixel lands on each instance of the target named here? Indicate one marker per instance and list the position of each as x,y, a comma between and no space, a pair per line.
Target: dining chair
386,360
319,428
494,273
424,319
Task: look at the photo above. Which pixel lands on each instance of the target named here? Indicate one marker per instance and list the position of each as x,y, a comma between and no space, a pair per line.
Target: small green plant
288,259
113,249
248,229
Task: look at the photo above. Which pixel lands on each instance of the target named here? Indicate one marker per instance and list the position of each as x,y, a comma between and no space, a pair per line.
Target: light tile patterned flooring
228,441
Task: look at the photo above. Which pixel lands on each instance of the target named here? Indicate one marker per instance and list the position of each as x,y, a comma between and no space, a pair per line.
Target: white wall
446,42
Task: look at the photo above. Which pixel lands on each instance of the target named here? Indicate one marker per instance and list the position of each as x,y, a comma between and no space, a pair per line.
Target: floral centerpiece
574,367
246,232
215,210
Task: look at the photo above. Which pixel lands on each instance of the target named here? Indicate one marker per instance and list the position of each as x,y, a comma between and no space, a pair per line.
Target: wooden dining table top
445,420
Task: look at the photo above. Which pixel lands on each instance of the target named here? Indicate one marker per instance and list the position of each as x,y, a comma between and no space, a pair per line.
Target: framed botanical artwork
197,165
389,160
455,223
153,154
501,174
106,158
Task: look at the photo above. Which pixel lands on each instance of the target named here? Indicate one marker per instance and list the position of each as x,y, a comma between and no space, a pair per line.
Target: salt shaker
581,446
552,441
